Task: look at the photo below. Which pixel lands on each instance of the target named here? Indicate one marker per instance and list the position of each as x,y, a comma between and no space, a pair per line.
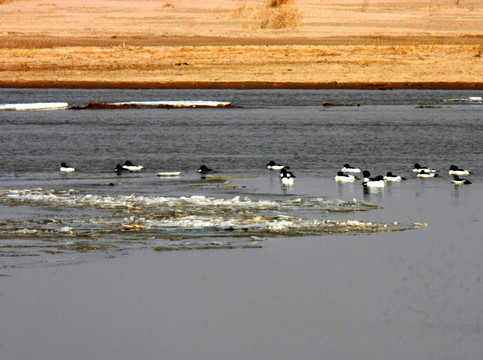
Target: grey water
399,277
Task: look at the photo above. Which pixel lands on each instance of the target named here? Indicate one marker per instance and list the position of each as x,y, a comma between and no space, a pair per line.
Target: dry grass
274,14
479,51
285,16
278,3
174,41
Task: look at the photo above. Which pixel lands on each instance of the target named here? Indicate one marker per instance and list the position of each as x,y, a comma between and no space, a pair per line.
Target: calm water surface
318,270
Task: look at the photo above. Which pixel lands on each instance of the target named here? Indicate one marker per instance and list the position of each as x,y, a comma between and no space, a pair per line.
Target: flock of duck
420,171
349,174
127,166
346,174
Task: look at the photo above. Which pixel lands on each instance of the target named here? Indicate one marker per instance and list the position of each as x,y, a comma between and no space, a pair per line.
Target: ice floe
35,106
90,222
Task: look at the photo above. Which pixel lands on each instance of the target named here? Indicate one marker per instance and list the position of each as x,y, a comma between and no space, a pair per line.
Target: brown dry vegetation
147,43
277,14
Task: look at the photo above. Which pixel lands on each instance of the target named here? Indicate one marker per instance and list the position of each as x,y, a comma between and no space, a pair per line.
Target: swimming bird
286,177
454,170
119,169
365,175
376,182
66,168
129,166
349,169
272,165
341,177
390,177
204,169
458,181
418,168
425,175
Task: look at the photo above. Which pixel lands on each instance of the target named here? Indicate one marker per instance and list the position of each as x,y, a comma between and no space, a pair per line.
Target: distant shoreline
35,41
243,85
347,44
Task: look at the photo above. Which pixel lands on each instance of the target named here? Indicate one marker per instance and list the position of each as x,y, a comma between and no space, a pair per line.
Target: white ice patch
35,106
191,213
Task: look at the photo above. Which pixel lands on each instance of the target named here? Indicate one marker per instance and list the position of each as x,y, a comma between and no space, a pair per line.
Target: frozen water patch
85,223
35,106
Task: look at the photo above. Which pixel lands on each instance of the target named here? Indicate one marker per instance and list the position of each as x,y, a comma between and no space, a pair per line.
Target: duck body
427,175
272,165
458,181
120,169
392,178
66,168
286,177
454,170
375,182
204,169
345,178
349,169
129,166
418,168
287,181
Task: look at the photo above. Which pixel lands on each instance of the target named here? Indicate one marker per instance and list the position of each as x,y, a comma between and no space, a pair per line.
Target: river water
314,270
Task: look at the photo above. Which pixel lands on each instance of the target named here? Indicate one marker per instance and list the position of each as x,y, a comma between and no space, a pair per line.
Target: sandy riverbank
186,44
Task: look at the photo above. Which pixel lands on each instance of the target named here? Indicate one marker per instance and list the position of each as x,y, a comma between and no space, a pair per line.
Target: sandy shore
45,84
185,44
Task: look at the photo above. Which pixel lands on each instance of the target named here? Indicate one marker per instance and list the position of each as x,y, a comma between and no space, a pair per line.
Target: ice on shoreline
471,99
120,105
152,104
35,106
